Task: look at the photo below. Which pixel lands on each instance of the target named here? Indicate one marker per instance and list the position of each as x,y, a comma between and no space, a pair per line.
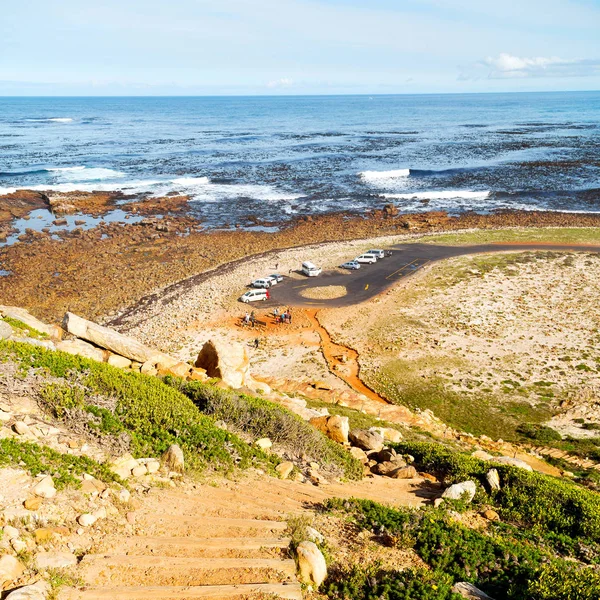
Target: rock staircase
226,540
189,552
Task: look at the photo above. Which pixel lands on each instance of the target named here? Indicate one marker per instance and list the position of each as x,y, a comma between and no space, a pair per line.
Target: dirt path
223,540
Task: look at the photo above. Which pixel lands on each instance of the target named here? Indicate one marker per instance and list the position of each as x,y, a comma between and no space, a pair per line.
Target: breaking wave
200,189
51,120
383,176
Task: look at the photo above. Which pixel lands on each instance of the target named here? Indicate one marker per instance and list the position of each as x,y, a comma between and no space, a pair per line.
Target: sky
266,47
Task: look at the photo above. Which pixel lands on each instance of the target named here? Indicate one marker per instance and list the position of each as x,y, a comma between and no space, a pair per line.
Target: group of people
249,319
284,317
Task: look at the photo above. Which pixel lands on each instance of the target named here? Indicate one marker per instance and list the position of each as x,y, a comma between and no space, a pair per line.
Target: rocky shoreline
101,270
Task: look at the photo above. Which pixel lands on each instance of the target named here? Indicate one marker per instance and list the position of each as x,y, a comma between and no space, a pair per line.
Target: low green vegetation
261,418
545,547
558,235
151,413
23,329
477,413
66,469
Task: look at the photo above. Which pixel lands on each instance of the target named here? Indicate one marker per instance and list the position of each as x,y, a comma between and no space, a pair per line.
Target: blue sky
147,47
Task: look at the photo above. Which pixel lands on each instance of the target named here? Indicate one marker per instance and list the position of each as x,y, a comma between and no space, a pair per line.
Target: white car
376,253
254,295
274,278
262,283
367,259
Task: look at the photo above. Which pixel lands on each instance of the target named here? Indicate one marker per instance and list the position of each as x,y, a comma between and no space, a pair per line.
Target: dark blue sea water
275,157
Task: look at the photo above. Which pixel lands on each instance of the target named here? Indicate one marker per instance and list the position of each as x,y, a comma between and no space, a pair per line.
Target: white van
376,253
254,295
310,270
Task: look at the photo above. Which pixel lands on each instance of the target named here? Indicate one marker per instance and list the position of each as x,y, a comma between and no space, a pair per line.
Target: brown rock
33,503
491,515
405,473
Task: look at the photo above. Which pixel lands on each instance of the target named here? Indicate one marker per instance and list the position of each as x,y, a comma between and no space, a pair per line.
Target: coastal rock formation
468,590
229,362
513,462
81,348
112,340
20,314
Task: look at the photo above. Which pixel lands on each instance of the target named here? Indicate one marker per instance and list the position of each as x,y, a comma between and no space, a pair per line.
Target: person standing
256,343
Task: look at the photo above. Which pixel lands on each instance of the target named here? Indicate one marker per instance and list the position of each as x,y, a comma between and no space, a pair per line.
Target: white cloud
508,66
284,82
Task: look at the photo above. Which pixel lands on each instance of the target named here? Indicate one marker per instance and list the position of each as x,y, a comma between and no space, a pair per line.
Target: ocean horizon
280,156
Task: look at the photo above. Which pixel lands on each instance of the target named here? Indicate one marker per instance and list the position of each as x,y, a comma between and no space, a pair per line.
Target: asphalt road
373,279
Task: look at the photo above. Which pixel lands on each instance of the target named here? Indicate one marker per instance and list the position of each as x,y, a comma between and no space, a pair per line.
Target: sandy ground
520,327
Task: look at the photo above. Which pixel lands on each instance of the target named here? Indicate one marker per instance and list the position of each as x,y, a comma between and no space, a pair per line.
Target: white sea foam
79,174
384,176
64,169
199,189
51,120
441,195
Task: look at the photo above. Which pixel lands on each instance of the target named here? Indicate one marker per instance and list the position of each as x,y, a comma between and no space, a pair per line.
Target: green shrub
154,414
526,498
539,433
501,562
372,583
40,459
261,418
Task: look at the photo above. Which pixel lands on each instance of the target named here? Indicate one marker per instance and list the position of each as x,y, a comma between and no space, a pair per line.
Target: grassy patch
558,235
24,329
64,468
261,418
154,414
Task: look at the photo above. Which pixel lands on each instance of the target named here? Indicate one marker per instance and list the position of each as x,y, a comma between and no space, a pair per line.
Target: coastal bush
261,418
539,433
498,561
154,414
526,498
64,468
372,583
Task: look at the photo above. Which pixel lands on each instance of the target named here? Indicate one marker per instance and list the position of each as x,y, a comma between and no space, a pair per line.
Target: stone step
292,591
202,547
212,526
116,569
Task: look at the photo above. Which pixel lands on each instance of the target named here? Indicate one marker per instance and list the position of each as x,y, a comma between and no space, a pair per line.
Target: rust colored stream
332,352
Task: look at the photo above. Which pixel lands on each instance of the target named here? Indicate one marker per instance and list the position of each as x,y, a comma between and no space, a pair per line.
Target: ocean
278,157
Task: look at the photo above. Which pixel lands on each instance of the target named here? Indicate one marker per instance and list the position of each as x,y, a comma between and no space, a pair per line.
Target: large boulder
311,563
173,459
366,440
465,490
229,362
81,348
333,426
110,339
389,434
20,314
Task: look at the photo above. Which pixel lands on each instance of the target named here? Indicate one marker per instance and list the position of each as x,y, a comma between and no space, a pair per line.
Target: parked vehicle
275,278
262,283
310,270
376,253
254,295
366,259
352,265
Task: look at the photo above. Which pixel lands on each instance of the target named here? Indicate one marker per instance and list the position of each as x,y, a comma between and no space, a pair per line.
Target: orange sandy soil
96,277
